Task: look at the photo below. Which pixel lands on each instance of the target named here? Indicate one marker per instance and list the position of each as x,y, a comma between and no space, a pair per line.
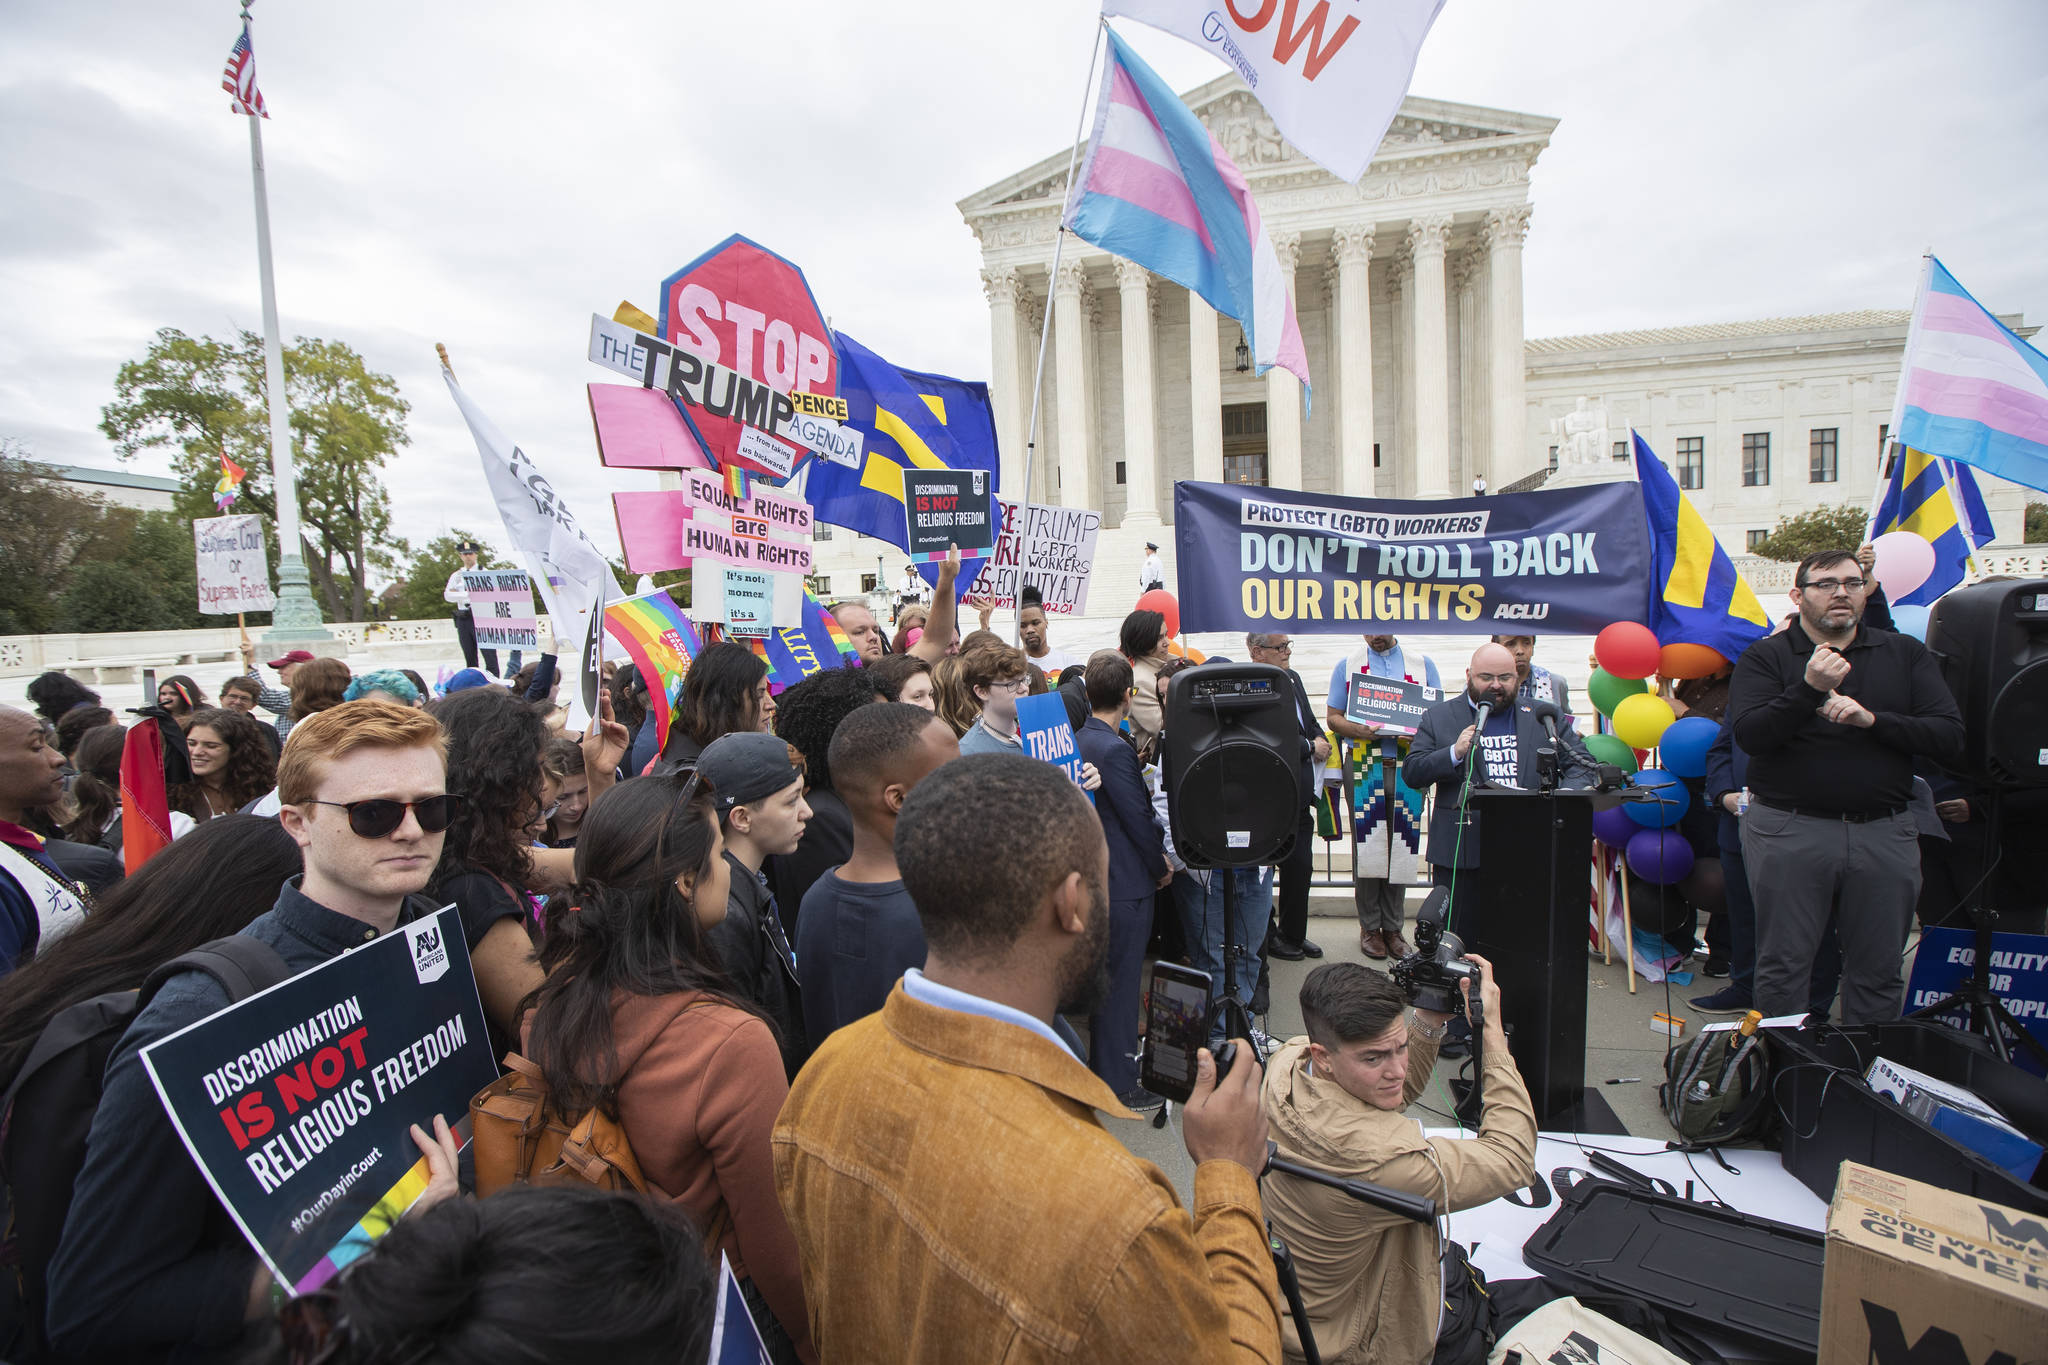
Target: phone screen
1177,1025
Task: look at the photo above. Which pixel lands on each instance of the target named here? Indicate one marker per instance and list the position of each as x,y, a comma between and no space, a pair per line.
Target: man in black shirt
1832,713
859,931
150,1267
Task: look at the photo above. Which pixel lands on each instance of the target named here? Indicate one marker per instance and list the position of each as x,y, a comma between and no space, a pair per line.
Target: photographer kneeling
1370,1279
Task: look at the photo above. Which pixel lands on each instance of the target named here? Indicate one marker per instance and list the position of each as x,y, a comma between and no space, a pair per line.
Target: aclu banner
297,1103
1569,562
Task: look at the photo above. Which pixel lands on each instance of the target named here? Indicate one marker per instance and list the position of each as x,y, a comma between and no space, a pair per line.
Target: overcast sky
487,175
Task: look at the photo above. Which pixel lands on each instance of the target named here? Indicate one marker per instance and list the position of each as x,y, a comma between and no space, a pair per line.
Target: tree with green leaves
47,529
2037,523
199,398
1837,526
419,599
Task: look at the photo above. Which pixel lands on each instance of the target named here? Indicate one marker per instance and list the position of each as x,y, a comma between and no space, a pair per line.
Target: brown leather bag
521,1139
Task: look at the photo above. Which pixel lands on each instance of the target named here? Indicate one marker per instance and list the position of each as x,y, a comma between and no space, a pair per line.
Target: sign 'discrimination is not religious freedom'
298,1102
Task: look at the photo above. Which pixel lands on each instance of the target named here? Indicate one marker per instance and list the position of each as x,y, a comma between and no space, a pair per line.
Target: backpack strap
71,1026
241,965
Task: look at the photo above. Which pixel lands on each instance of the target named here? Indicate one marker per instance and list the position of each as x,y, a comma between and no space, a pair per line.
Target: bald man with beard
1489,718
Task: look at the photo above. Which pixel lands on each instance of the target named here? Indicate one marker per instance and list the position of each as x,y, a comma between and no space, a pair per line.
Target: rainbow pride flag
795,653
738,482
662,642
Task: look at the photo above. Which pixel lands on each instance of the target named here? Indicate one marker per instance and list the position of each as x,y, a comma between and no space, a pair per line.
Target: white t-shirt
1055,662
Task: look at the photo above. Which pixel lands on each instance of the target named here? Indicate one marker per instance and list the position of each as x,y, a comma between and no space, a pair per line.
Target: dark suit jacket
1429,763
1311,722
1137,854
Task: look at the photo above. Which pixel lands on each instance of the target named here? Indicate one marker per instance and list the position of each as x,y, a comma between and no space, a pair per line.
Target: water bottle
1742,804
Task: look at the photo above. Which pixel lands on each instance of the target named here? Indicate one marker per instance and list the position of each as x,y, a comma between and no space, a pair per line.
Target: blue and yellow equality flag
1938,501
1696,595
907,418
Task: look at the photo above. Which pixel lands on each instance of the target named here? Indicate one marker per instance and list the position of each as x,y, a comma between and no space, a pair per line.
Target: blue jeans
1201,918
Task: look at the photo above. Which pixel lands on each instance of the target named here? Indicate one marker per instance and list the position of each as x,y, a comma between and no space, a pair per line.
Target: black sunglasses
377,817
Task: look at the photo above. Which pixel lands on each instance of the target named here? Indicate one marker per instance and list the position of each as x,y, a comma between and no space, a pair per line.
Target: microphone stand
1419,1208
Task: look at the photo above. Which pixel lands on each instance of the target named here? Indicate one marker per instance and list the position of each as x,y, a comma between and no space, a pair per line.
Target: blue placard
1047,734
1254,558
735,1340
2019,973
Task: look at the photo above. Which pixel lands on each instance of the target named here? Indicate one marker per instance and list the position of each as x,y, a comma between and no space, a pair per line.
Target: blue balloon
1911,620
1683,746
1669,806
1660,856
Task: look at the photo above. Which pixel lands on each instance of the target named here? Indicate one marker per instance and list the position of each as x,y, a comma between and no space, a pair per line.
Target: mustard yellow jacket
955,1198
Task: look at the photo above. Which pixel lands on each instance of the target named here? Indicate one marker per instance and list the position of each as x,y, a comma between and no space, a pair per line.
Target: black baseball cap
745,766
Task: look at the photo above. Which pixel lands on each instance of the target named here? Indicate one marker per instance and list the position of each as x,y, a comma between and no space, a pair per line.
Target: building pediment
1423,128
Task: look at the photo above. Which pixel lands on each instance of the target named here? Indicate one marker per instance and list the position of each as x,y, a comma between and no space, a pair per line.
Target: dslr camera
1430,975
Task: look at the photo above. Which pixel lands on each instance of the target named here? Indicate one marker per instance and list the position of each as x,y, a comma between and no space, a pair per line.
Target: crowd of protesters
853,977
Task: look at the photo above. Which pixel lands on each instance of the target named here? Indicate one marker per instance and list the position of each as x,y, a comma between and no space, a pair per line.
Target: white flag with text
1331,73
563,562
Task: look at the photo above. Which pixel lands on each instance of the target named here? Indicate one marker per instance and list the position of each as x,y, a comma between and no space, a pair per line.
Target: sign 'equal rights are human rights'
1570,561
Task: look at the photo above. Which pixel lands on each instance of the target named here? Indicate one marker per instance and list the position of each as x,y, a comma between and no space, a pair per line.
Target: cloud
489,176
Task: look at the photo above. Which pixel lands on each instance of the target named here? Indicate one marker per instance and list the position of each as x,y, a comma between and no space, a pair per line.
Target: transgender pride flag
1156,188
1972,390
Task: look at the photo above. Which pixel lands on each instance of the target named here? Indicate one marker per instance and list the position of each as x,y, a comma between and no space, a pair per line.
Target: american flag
239,79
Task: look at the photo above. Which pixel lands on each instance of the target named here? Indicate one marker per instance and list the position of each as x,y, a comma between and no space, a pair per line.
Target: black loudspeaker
1991,641
1231,759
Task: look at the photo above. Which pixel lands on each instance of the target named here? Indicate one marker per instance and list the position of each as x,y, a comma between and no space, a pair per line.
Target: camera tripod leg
1290,1289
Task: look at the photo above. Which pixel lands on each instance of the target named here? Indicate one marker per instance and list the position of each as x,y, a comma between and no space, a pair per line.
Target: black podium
1527,912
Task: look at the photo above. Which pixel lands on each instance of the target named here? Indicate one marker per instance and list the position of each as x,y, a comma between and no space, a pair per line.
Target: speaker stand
1237,1022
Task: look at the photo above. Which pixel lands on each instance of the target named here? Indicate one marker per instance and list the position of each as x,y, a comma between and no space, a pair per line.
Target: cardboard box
1918,1274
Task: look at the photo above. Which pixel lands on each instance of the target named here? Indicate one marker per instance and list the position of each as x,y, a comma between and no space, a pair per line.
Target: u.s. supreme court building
1408,287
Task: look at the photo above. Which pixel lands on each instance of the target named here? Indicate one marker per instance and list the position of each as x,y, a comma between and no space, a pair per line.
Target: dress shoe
1373,944
1311,949
1279,947
1396,945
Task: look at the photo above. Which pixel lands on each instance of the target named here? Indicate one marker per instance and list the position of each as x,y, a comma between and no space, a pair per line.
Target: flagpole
296,617
1891,442
1059,241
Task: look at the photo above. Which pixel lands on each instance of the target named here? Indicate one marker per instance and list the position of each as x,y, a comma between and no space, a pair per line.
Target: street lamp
1244,354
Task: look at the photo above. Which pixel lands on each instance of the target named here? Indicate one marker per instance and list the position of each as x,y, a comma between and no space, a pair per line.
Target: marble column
1283,390
1352,246
1012,408
1205,390
1070,321
1426,241
1501,235
1401,295
1141,456
1475,401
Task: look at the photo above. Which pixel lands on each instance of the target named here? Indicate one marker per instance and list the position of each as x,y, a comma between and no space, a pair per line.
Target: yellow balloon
1641,720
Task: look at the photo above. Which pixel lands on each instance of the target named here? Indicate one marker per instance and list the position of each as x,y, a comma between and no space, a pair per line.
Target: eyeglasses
379,816
1287,648
1011,685
1831,586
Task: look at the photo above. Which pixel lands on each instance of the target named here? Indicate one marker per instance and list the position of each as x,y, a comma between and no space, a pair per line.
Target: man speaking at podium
1508,733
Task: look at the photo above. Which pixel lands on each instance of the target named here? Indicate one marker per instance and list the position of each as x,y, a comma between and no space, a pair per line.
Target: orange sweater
698,1099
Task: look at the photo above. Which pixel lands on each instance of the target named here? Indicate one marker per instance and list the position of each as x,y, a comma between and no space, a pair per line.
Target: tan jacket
700,1086
955,1198
1369,1278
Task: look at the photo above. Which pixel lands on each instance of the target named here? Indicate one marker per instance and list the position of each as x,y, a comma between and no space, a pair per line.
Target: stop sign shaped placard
750,312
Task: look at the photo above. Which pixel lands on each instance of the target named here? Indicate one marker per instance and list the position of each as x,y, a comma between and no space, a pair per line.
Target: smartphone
1176,1027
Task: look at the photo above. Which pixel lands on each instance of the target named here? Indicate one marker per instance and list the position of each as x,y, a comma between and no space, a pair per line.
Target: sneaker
1727,1000
1139,1100
1715,967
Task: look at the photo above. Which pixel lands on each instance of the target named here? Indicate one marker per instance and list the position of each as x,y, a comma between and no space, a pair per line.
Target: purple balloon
1660,856
1613,827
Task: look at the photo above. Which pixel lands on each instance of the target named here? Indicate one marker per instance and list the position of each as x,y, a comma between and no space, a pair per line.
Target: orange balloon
1690,661
1186,651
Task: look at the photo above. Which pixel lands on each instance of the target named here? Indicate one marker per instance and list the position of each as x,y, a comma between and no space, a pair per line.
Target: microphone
1548,714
